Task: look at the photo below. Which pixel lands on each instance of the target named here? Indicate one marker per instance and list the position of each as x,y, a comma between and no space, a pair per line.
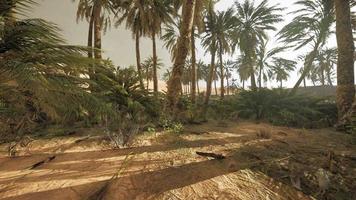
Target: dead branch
211,155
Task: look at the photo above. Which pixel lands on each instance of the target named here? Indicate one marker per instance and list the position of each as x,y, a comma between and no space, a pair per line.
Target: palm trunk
90,35
345,92
329,78
97,29
260,78
194,70
322,75
222,87
308,65
227,86
304,82
147,78
253,81
243,84
216,89
182,52
198,87
281,84
138,60
154,52
211,70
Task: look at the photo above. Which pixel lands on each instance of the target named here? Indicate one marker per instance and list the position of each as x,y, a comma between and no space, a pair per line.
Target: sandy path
169,169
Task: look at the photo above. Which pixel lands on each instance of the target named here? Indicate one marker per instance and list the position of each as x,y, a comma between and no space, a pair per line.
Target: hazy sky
118,44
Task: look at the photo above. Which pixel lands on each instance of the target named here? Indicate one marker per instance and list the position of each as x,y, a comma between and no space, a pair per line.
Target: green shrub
281,108
276,106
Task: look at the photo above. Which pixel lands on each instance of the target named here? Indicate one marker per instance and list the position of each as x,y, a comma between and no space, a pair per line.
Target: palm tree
228,74
97,13
182,52
264,59
281,69
201,73
345,92
40,76
312,26
330,58
325,61
147,65
170,37
253,22
209,41
243,69
225,22
158,12
135,17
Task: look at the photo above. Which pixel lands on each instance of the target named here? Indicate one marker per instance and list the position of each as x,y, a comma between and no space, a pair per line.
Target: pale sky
118,44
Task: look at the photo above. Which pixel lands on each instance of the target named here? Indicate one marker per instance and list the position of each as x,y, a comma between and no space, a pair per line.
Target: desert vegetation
214,118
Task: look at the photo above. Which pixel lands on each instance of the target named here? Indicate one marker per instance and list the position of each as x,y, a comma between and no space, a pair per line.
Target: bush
280,108
276,106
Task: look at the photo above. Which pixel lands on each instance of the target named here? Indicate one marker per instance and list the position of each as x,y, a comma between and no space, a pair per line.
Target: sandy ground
261,163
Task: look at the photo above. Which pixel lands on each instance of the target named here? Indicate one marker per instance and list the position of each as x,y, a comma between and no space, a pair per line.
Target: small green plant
171,126
151,131
176,128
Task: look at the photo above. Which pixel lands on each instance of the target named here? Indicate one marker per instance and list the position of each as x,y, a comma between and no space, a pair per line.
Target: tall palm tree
209,41
97,13
225,23
147,65
253,22
281,69
330,58
264,60
158,12
135,17
324,65
228,74
201,73
311,26
345,93
243,69
182,52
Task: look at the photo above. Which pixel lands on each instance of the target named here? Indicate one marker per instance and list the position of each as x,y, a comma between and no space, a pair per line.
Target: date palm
172,33
326,59
209,42
225,23
182,53
311,26
147,65
265,59
158,12
243,69
97,13
253,24
281,69
345,93
135,17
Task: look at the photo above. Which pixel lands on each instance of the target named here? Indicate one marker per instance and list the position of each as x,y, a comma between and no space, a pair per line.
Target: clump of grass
264,134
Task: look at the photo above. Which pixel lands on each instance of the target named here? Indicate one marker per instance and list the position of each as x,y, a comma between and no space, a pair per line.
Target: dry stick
212,155
100,194
49,159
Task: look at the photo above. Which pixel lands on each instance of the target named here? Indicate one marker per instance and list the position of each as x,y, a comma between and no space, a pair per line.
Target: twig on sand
212,155
49,159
